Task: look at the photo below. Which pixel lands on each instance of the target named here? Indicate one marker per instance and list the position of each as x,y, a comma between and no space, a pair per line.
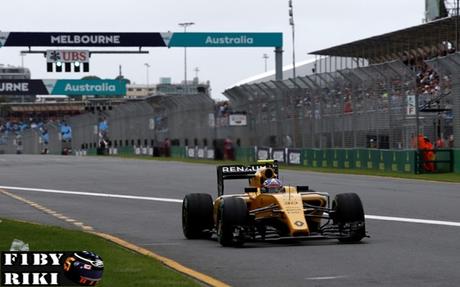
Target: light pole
185,25
456,25
147,66
265,57
291,22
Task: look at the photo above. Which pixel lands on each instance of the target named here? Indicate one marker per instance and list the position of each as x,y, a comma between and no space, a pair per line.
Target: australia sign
226,40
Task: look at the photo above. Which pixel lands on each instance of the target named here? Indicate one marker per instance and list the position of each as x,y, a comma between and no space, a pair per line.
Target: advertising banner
237,120
278,154
263,153
410,108
294,156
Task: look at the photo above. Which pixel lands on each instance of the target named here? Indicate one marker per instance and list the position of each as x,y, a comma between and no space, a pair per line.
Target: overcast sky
319,24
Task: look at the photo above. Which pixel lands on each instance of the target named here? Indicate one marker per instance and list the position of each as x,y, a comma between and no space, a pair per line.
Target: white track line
93,194
413,220
374,217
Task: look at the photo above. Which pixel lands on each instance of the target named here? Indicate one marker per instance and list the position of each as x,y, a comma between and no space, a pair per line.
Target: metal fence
365,107
178,119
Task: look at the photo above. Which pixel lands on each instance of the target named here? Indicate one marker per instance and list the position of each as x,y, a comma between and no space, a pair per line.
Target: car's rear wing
238,171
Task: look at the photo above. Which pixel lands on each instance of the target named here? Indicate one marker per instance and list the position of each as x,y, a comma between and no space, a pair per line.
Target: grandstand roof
390,44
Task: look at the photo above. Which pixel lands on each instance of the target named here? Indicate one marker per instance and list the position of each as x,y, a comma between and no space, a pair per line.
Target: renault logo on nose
298,223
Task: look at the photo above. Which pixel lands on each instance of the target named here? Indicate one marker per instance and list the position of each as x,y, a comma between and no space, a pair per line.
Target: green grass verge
442,177
122,268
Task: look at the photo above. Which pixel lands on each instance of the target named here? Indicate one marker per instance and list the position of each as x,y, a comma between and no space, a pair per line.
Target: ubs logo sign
67,56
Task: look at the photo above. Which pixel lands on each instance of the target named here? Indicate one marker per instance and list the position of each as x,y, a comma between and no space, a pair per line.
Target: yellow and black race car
268,210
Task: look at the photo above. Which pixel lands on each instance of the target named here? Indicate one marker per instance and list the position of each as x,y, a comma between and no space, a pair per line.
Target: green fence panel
126,150
350,158
310,158
304,157
375,159
363,161
409,165
341,155
457,160
245,154
444,155
319,158
388,156
177,152
329,158
400,160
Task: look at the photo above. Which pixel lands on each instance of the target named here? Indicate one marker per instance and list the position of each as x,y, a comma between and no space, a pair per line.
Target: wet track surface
396,254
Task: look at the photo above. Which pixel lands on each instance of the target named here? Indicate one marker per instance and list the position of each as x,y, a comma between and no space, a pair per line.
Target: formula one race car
268,210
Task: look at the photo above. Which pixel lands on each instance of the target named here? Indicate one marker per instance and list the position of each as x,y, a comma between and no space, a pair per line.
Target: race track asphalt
396,254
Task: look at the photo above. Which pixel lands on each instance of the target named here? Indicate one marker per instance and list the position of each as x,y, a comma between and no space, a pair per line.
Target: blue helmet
84,268
272,185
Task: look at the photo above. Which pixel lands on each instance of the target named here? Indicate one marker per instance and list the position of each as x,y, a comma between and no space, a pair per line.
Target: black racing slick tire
232,217
197,215
349,217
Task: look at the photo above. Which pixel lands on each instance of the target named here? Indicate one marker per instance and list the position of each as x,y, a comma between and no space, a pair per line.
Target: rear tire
233,216
349,217
197,215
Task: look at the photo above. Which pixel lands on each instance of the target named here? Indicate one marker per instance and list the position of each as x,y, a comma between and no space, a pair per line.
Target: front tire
349,217
197,215
233,216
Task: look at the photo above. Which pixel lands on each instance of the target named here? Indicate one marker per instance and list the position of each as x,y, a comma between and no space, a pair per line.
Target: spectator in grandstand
450,142
103,129
228,150
347,107
440,143
167,147
44,139
224,109
103,126
66,132
18,143
44,135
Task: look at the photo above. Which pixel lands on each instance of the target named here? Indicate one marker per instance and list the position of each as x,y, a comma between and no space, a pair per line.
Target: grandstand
364,106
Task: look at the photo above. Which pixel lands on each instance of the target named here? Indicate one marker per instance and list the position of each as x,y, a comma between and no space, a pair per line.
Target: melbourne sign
59,39
22,87
63,87
155,39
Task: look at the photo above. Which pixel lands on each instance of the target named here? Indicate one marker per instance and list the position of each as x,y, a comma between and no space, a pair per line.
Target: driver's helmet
272,185
84,268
